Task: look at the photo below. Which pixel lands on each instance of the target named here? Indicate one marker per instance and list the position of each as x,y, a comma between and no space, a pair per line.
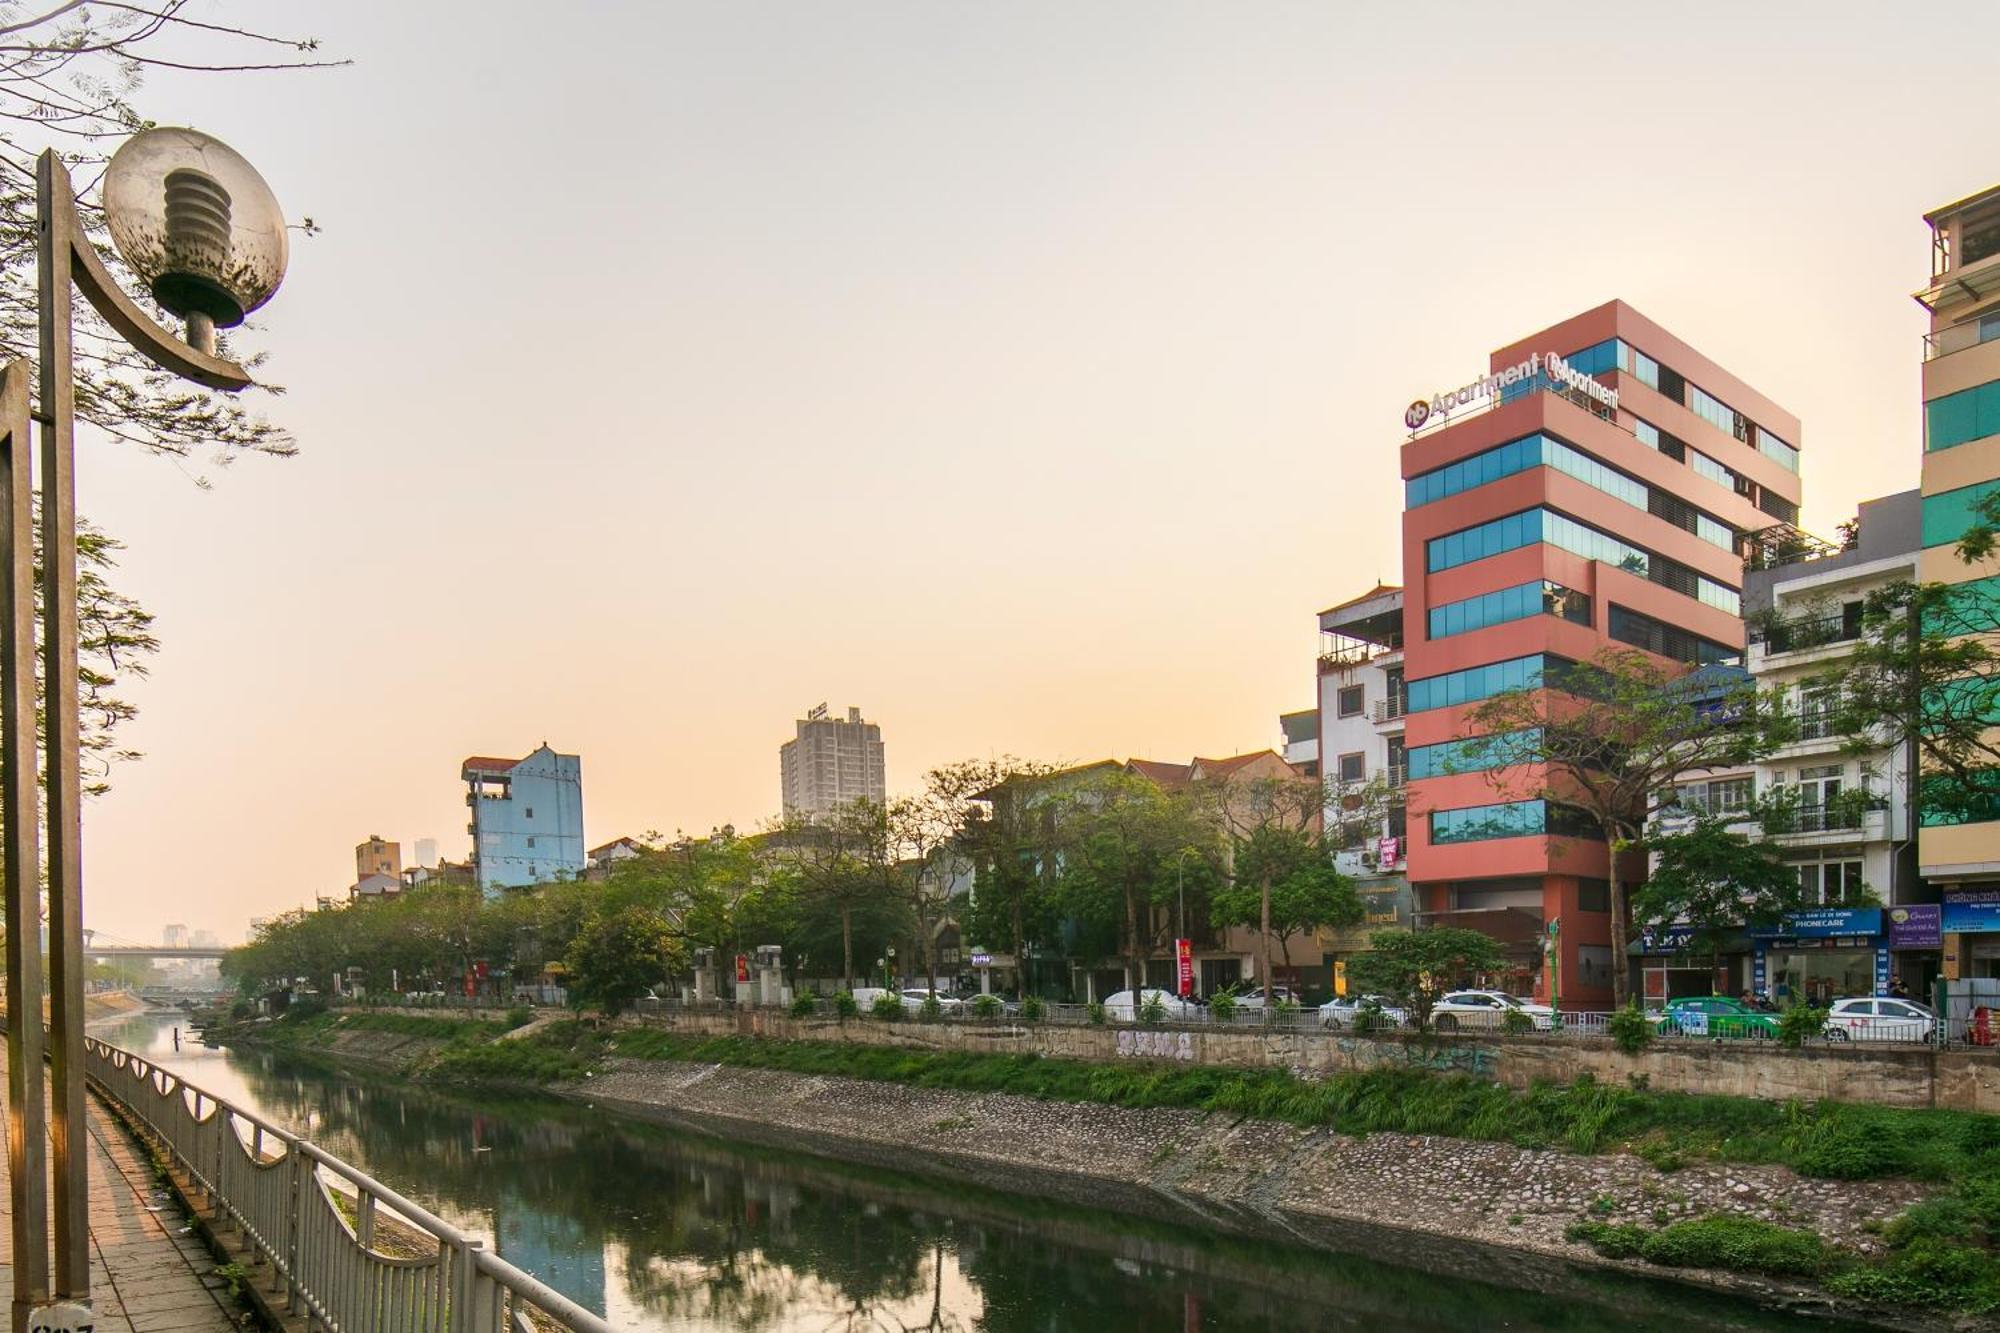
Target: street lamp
200,227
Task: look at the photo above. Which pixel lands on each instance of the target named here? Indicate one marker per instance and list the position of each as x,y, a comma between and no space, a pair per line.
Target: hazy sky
1027,374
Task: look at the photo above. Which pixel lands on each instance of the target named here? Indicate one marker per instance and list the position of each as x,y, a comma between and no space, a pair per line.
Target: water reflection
662,1229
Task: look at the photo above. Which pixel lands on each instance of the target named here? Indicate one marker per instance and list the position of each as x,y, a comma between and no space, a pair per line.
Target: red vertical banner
742,967
1184,966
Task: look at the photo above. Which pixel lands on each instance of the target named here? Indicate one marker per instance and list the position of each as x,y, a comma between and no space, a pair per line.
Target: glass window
1353,767
1516,603
1469,756
1949,514
1777,450
1648,433
1704,466
1482,823
1481,682
1970,414
1349,702
1717,413
1640,366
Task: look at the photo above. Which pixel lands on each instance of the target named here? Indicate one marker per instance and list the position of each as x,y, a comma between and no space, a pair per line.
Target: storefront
1916,937
1970,927
1821,955
1674,962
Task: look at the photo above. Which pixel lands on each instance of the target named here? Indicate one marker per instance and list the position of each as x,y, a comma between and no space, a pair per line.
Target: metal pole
64,783
20,817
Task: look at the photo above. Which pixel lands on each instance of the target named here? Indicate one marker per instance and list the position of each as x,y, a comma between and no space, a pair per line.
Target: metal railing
1389,709
1797,634
315,1220
1957,337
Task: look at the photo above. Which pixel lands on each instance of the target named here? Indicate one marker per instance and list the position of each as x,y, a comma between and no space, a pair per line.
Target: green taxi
1715,1016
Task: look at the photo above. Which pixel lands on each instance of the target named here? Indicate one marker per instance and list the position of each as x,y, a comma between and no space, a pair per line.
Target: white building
832,762
1362,758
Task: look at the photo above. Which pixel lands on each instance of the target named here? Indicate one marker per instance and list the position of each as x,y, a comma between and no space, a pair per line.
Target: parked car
1715,1016
914,997
1485,1009
1254,998
1341,1012
1121,1007
1878,1018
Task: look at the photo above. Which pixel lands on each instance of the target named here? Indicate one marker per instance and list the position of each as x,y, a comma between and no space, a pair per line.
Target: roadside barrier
343,1250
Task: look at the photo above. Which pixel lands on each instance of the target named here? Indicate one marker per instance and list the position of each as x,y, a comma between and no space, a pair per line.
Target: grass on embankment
1834,1140
1943,1253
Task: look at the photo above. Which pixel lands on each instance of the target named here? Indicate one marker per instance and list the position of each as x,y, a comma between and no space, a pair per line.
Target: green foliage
1278,849
1716,879
1619,1240
1631,1030
1032,1008
1222,1005
888,1007
1941,1251
1740,1244
523,1061
1370,1018
844,1004
1415,967
986,1006
930,1011
1095,1013
1152,1010
1515,1023
520,1016
617,956
1799,1024
805,1006
304,1007
1584,1117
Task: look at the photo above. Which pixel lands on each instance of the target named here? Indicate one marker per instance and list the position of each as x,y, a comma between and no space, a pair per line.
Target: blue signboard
1665,939
1971,911
1882,971
1819,923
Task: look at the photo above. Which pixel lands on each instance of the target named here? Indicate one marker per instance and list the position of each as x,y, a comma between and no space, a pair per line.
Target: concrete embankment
1485,1210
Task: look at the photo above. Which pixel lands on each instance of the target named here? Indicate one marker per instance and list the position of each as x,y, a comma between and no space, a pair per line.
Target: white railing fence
343,1250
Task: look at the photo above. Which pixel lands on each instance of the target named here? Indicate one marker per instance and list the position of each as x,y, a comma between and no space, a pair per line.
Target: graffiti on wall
1156,1045
1475,1060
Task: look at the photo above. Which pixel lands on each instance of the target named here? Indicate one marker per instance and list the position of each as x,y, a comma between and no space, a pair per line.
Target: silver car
1340,1013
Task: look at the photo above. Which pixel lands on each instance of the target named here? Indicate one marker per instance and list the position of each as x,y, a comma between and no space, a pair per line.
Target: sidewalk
146,1276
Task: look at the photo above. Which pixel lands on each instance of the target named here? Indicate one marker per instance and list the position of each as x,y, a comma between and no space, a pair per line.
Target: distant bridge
160,951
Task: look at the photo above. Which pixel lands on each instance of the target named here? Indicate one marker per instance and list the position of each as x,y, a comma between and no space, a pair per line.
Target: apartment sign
1547,364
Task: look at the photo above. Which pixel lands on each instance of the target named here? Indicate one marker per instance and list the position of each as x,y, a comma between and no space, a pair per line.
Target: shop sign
1665,939
1490,386
1818,923
1882,971
1184,966
1971,911
1918,926
980,958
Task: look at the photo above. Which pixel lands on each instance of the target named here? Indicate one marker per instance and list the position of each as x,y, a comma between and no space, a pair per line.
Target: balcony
1388,710
1395,775
1823,825
1957,337
1797,634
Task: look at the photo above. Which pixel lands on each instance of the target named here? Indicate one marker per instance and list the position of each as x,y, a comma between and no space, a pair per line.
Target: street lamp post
200,227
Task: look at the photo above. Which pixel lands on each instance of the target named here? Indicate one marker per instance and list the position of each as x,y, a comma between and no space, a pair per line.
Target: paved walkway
146,1274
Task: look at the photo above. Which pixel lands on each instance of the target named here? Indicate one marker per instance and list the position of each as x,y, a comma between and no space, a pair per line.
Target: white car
1120,1008
1341,1012
1254,999
914,997
1879,1018
1485,1009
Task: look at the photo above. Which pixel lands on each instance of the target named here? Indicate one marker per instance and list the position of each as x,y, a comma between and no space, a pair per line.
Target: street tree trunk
1135,960
1264,942
847,946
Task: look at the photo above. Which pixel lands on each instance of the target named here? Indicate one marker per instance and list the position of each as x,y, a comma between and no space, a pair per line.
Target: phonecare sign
1547,364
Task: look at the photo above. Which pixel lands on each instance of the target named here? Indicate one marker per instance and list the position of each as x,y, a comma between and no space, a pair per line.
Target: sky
1027,375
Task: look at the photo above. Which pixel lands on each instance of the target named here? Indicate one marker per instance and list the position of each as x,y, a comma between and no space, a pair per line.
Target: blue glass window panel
1777,450
1714,533
1949,514
1482,823
1448,757
1474,683
1648,433
1642,367
1704,466
1970,414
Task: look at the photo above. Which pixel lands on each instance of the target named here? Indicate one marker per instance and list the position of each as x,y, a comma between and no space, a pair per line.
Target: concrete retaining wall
1909,1076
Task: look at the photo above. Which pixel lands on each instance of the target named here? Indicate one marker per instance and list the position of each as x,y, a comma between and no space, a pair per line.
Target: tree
1601,743
1415,967
1281,879
927,835
1923,678
1011,832
1711,876
618,956
843,865
1127,848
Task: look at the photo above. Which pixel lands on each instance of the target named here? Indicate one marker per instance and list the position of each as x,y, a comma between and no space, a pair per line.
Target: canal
664,1230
